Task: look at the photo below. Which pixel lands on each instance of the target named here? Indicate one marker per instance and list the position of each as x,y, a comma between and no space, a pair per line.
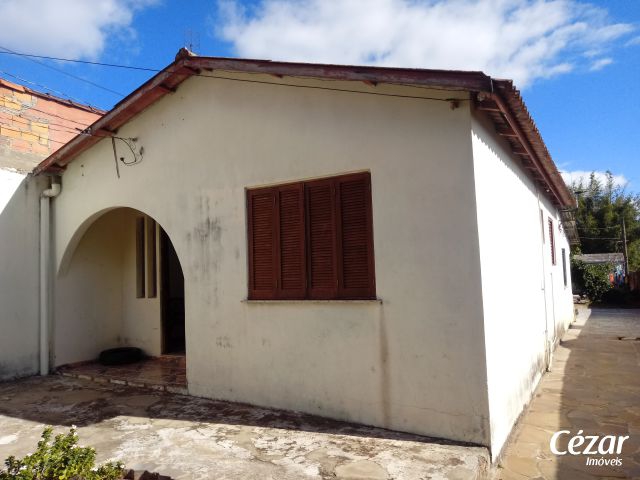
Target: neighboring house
615,260
377,245
33,125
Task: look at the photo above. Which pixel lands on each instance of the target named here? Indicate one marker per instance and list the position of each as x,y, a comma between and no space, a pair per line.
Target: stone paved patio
594,386
191,438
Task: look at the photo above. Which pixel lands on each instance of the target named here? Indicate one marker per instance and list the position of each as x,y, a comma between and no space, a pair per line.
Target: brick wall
33,125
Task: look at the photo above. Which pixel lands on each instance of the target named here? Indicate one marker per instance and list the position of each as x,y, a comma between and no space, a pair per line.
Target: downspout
45,275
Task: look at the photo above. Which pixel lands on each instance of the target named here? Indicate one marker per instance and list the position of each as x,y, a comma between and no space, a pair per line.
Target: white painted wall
516,274
19,260
102,274
416,361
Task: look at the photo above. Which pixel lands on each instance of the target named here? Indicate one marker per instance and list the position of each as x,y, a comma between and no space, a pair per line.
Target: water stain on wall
385,375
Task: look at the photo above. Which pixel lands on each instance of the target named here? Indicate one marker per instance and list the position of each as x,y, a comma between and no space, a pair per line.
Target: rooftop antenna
192,40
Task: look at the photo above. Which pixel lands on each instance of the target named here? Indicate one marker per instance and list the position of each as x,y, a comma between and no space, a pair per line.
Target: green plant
592,278
60,459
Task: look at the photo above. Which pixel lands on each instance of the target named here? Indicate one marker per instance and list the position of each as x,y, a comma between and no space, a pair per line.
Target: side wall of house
413,362
102,272
525,300
19,273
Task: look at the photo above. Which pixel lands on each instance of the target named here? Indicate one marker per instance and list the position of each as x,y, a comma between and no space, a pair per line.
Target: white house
379,245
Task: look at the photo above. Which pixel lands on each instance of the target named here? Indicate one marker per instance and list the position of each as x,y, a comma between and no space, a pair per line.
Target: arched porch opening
120,285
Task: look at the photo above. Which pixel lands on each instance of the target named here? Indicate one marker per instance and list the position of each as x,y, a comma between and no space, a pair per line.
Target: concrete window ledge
321,302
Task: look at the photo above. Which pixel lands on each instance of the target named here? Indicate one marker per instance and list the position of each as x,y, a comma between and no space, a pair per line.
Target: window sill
322,302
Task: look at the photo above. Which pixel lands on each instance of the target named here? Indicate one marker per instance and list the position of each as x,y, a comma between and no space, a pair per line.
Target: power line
58,116
62,71
82,133
600,238
85,62
131,67
50,125
20,79
39,137
315,87
598,228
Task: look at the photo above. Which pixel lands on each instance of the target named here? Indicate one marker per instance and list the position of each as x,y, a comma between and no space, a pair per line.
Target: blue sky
576,62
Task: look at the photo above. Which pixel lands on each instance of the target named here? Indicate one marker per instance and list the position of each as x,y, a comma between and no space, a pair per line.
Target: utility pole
626,256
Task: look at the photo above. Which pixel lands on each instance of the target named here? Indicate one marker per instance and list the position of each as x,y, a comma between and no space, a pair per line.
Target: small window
146,258
140,254
564,266
552,242
152,267
312,240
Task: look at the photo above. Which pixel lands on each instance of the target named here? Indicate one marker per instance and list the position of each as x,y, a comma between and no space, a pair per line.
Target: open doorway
171,298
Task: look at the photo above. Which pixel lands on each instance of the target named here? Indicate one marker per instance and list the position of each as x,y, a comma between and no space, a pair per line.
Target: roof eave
500,92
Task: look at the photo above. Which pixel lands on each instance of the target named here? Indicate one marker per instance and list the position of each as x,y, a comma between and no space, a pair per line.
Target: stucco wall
19,263
102,273
414,362
523,294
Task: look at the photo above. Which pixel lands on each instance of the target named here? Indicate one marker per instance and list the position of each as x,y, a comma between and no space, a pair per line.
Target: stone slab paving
192,438
594,386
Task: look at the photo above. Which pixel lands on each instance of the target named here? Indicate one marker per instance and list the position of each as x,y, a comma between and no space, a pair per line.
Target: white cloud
634,41
600,64
520,39
65,28
582,175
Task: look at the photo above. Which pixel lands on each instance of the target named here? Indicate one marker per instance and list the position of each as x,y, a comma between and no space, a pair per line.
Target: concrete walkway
192,438
594,386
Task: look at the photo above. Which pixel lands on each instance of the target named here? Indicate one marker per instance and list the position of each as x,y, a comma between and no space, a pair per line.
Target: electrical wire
598,228
62,71
85,62
51,126
83,131
31,133
315,87
58,92
148,69
33,109
600,238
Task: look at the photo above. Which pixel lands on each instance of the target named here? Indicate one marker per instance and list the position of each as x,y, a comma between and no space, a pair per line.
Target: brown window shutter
356,278
552,242
321,239
291,264
261,206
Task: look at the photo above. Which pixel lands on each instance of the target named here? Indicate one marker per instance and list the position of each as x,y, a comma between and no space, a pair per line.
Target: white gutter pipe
45,275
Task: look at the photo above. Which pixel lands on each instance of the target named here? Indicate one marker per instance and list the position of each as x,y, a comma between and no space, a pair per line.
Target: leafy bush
61,459
592,279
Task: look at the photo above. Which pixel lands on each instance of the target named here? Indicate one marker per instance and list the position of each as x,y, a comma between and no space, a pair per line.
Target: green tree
601,208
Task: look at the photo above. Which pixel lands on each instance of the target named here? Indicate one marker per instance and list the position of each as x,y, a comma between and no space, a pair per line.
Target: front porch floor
165,373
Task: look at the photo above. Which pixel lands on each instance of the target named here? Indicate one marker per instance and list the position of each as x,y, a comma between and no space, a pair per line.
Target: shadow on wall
61,401
19,273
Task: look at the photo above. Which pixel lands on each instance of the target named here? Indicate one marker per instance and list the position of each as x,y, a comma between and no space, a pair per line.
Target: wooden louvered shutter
356,278
261,206
321,239
290,228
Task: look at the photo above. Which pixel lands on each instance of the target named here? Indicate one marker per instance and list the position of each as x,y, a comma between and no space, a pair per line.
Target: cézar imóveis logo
580,444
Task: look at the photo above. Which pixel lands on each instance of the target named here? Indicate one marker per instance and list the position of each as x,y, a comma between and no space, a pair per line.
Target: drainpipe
45,261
